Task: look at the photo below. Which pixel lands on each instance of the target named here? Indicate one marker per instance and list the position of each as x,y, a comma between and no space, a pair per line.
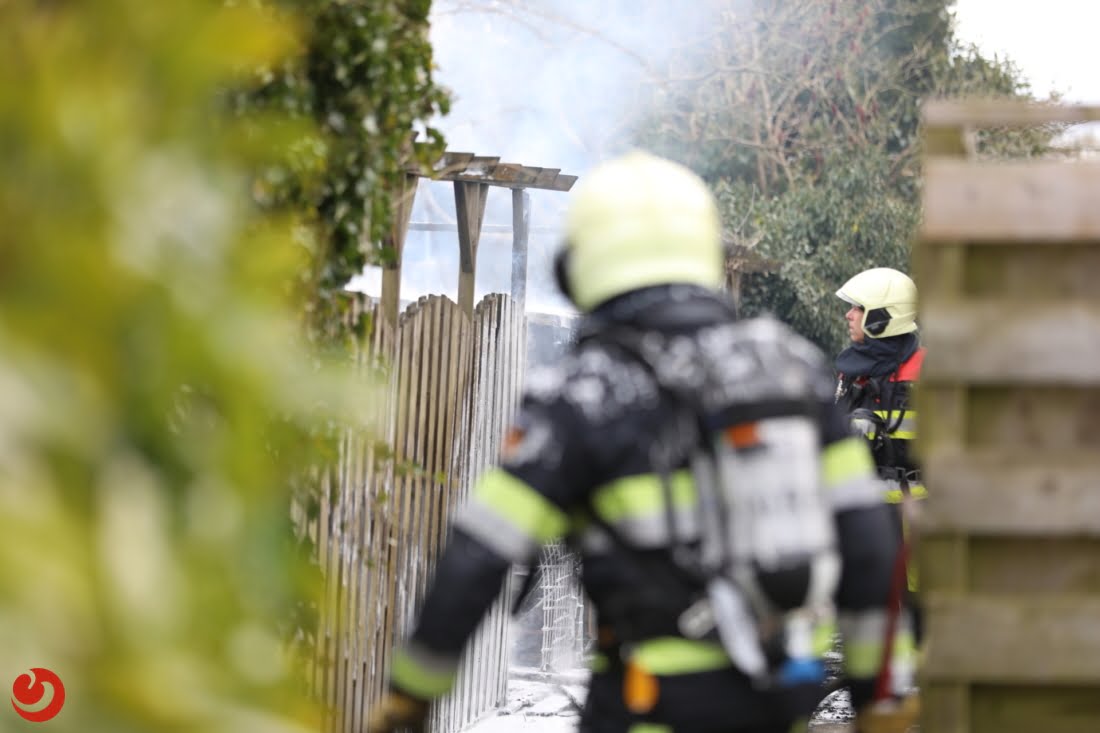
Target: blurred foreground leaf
156,399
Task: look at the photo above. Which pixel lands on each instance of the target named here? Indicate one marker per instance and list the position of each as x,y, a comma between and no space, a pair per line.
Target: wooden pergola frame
472,175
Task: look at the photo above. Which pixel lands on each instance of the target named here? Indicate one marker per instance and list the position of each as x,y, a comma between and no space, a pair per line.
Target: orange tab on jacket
743,435
640,689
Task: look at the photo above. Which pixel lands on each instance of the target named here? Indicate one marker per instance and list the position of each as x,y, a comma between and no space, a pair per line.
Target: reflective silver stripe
860,628
652,531
856,493
895,495
862,625
864,635
488,526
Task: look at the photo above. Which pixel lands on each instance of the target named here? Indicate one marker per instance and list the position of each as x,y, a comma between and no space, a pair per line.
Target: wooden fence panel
344,532
448,387
1009,423
497,362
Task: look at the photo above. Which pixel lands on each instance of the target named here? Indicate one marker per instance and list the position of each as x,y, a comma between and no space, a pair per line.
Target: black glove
396,711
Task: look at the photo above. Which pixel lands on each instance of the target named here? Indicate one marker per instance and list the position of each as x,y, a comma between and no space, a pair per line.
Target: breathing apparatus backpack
766,553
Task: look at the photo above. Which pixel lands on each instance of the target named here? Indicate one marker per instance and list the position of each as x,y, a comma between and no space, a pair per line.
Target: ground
539,705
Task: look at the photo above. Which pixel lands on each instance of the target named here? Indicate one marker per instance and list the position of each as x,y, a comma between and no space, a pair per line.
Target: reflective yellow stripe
420,680
892,415
845,460
527,509
864,658
640,496
599,663
916,491
649,728
824,634
671,655
907,430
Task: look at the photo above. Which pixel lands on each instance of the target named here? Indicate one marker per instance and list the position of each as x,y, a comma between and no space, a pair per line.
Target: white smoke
547,83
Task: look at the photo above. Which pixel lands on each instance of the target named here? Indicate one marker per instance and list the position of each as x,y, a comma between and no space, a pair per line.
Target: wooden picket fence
452,387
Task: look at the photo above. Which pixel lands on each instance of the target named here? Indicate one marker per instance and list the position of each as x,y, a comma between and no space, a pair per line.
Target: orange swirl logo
29,691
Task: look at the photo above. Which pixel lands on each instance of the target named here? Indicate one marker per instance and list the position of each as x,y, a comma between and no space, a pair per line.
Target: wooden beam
1033,709
991,492
1000,112
1026,565
946,137
423,226
562,183
506,173
391,272
451,164
998,340
467,167
1010,202
482,165
1013,639
470,209
521,223
546,177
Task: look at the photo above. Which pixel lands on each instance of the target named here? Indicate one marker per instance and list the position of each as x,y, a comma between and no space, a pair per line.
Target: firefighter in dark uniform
876,376
878,370
594,457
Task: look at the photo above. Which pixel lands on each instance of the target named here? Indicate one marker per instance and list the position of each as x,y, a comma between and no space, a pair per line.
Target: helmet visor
847,299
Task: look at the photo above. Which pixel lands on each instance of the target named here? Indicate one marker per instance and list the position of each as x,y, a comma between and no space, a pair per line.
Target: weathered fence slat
1002,202
1014,639
1040,494
994,341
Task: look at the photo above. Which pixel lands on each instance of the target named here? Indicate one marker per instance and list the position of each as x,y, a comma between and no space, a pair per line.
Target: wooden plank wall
1009,405
453,385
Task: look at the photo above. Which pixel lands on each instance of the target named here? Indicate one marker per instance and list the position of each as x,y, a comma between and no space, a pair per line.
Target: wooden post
470,208
521,227
391,272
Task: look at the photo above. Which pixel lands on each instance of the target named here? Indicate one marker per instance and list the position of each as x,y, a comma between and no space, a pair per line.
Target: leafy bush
156,390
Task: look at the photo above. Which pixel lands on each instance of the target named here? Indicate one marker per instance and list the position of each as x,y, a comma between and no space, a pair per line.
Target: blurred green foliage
363,77
157,395
805,119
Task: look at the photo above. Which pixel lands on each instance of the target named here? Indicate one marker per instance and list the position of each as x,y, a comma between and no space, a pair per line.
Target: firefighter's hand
889,716
396,711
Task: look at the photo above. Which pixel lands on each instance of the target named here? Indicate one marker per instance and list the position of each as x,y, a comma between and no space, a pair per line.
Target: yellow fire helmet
635,221
888,299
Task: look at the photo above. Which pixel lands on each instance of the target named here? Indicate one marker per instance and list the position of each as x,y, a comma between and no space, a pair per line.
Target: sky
1052,42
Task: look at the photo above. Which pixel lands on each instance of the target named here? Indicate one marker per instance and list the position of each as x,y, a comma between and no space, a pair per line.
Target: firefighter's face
854,316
